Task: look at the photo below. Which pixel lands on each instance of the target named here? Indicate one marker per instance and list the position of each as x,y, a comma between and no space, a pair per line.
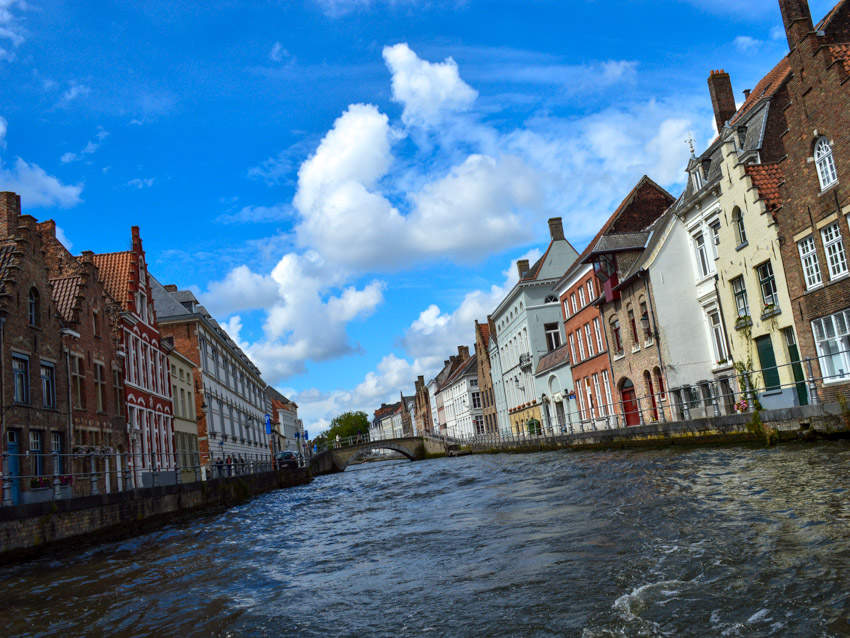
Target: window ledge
837,381
815,287
721,367
742,245
617,357
742,323
829,188
772,312
647,344
635,349
839,277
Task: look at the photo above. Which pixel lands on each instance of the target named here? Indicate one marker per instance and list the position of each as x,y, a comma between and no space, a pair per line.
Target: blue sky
347,183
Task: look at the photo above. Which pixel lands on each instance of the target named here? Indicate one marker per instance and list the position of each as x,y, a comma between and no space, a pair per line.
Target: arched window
738,222
34,307
825,163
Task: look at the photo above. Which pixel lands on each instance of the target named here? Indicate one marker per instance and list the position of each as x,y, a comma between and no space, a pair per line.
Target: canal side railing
33,477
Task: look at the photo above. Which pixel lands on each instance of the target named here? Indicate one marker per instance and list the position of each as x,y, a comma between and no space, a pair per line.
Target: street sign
268,424
305,435
297,434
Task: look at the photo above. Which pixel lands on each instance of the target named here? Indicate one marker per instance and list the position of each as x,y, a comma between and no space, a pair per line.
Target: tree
348,424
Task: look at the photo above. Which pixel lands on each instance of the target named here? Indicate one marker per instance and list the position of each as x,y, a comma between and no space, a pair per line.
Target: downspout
70,399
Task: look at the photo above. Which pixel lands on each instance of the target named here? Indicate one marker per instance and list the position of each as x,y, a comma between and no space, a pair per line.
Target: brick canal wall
799,423
29,530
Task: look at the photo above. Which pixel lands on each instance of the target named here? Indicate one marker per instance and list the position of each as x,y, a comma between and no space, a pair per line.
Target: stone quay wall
797,423
27,531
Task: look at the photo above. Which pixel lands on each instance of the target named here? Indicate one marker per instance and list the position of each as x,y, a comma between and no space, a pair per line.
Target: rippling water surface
703,542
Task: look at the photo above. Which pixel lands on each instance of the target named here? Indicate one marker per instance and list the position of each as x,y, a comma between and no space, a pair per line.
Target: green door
768,363
796,367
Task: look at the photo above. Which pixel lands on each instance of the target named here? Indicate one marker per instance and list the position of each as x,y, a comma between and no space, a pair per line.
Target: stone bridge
414,448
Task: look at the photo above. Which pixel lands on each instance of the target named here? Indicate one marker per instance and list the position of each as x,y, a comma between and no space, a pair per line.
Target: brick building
815,193
619,255
485,379
230,402
34,391
94,344
147,383
423,422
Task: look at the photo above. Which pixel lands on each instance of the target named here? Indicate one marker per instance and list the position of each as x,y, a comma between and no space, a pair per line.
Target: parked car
287,459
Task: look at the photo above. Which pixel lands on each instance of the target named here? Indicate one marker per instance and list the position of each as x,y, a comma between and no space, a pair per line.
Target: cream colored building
757,313
185,419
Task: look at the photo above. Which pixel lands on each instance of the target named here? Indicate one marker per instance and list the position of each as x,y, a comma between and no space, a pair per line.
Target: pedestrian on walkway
229,466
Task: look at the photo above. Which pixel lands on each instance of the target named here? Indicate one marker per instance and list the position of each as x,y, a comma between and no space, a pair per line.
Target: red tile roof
829,16
115,271
766,87
841,52
65,291
767,178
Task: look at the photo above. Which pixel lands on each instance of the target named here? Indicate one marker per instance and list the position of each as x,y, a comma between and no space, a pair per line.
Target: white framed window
703,265
832,340
580,340
825,163
809,259
740,291
606,382
566,309
738,221
573,348
579,395
598,329
768,285
581,298
603,408
833,246
573,303
718,338
553,336
589,339
715,238
591,411
591,292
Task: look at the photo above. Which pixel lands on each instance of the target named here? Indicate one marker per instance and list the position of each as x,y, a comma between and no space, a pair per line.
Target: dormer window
34,307
551,299
825,163
696,179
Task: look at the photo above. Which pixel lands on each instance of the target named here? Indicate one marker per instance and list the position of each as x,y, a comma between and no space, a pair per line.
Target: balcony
525,361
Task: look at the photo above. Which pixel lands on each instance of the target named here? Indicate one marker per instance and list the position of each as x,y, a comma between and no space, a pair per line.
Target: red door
630,408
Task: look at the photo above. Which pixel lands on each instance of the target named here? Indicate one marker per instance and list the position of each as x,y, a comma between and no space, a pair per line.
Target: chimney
722,97
420,380
463,352
137,238
446,362
797,19
522,267
170,287
10,210
556,228
87,256
747,94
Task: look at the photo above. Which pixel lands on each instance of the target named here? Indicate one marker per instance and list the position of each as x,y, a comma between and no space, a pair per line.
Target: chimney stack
556,228
170,287
463,352
747,94
797,19
10,210
522,267
722,97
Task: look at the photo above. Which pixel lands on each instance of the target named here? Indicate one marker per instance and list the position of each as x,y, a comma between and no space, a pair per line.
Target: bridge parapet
337,459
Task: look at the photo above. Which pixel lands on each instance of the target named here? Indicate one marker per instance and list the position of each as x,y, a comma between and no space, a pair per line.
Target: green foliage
348,424
757,427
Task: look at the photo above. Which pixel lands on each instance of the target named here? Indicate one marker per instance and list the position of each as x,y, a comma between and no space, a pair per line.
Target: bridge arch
365,448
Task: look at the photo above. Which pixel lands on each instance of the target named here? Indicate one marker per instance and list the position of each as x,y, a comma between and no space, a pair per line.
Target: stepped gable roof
841,52
385,410
8,261
615,224
65,293
485,333
767,178
115,271
554,359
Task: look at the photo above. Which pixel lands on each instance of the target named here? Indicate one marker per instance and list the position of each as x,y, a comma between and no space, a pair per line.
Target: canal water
699,542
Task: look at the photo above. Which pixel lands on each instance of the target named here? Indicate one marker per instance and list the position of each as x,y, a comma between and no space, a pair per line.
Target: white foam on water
758,616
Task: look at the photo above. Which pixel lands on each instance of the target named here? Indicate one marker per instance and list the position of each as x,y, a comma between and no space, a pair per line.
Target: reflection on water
703,542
